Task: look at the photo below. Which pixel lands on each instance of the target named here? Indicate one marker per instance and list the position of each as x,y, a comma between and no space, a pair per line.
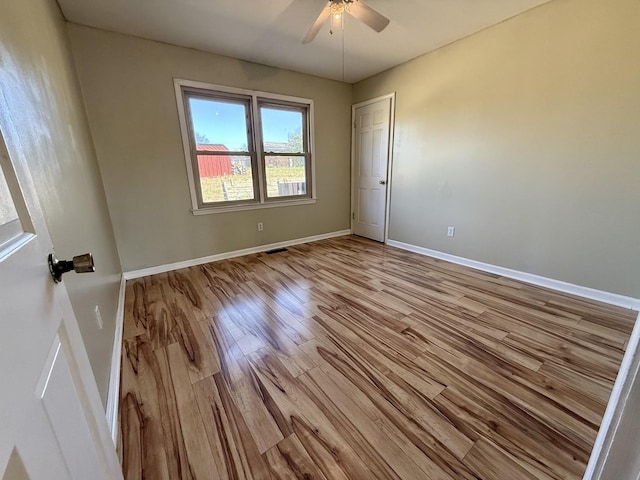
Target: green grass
240,186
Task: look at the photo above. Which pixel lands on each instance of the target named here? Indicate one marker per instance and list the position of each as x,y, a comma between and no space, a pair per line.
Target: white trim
47,370
253,206
12,245
311,137
182,117
113,395
391,95
239,91
390,150
627,376
392,131
586,292
256,119
223,256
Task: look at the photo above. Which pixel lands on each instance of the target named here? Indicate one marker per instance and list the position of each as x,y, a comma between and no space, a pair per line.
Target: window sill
253,206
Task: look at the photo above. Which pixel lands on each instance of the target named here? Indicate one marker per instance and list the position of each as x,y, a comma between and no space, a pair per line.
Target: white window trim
196,209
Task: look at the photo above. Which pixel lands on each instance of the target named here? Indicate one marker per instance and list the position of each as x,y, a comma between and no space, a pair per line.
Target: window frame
305,154
185,89
188,93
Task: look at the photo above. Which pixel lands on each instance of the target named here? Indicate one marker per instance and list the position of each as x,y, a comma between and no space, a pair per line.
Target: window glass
282,130
225,178
286,176
219,122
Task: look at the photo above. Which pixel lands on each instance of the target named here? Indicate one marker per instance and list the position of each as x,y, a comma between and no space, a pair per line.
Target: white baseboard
113,399
223,256
586,292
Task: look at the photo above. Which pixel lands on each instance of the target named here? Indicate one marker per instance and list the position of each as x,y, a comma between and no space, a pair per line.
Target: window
245,149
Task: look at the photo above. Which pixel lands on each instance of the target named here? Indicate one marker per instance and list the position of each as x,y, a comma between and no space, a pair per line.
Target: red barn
214,165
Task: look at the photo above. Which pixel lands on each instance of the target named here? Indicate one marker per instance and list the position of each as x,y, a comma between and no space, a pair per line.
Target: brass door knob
80,264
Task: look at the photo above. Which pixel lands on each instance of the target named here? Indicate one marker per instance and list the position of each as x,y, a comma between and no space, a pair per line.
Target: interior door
50,425
370,165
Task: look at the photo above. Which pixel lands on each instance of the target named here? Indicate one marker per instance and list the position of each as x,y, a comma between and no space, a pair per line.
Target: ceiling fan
356,8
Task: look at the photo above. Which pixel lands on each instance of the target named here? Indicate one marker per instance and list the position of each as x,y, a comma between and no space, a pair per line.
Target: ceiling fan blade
315,28
368,15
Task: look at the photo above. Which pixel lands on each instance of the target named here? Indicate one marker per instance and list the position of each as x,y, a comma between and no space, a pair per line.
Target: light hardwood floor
348,359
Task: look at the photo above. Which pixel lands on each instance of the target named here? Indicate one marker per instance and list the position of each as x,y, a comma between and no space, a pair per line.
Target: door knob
80,264
382,182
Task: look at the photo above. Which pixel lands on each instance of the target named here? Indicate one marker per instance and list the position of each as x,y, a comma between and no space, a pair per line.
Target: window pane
225,178
219,122
282,130
286,176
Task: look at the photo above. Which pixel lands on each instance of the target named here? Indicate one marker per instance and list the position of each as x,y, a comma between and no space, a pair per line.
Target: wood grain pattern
348,359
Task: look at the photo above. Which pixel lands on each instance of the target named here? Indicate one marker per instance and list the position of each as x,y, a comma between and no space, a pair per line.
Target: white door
370,164
52,425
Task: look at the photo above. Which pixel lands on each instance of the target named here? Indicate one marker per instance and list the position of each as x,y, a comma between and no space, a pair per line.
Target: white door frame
392,122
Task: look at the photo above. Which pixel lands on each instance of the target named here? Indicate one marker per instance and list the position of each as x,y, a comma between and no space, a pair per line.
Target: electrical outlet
98,317
260,226
451,231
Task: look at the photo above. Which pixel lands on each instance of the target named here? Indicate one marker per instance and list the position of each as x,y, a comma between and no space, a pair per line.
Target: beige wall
128,88
526,138
38,82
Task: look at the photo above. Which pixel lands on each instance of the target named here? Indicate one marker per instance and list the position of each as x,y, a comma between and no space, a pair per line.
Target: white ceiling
270,31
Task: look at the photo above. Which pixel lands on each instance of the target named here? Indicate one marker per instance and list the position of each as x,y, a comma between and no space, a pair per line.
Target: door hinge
354,124
353,216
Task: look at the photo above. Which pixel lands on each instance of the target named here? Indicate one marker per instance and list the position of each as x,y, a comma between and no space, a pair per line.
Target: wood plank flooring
348,359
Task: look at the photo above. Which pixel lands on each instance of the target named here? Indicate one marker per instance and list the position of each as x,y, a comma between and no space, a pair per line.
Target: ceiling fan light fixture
337,17
338,9
334,12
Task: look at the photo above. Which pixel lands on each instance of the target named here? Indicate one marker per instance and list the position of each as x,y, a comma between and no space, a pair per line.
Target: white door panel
365,154
378,154
62,405
370,164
